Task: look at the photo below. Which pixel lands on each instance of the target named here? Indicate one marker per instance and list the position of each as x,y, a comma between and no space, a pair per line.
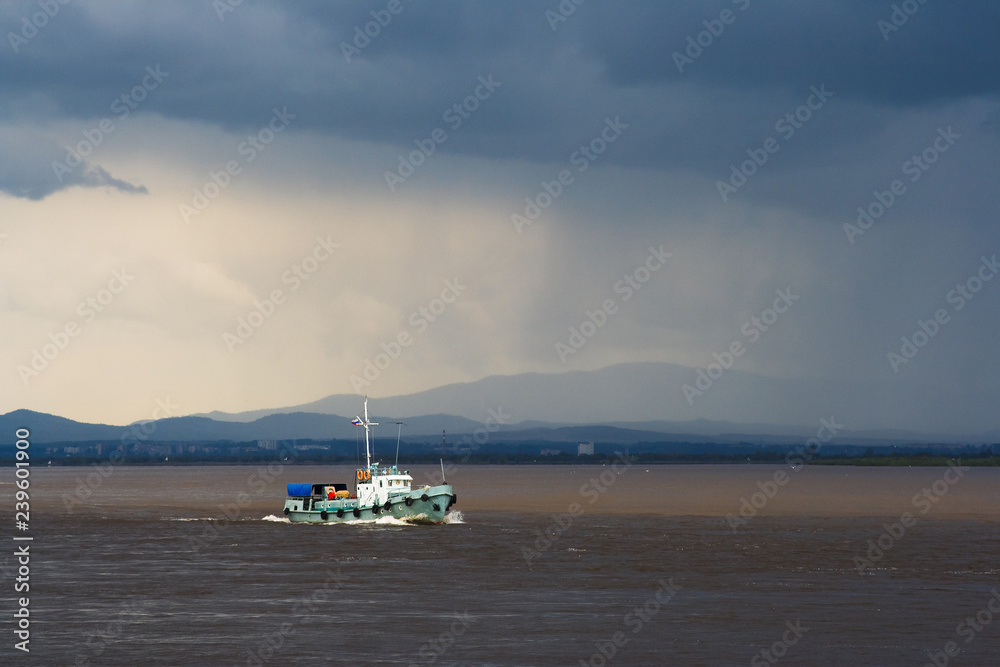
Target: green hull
424,506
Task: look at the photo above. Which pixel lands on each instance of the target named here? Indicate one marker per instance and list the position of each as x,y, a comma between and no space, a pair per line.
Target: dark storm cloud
558,85
942,51
293,51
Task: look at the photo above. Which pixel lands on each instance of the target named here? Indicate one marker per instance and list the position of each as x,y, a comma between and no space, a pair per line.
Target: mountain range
649,396
607,405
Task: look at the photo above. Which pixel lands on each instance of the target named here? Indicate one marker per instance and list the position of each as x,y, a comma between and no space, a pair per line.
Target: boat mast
366,424
399,432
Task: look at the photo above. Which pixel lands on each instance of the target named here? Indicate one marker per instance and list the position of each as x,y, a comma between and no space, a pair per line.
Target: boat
379,491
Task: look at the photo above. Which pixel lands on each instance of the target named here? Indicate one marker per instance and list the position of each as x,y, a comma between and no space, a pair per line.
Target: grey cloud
26,169
604,59
943,51
95,176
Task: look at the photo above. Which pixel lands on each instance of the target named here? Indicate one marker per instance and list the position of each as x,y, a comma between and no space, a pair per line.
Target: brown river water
540,565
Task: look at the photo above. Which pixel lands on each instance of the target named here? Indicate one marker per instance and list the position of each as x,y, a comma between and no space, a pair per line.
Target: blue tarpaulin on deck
300,489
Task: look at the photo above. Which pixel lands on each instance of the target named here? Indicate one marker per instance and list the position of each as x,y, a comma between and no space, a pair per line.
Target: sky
235,206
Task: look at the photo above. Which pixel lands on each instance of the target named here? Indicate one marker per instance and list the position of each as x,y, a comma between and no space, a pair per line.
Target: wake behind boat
379,491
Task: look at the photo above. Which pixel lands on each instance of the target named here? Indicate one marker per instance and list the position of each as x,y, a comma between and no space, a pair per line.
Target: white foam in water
451,517
391,521
382,520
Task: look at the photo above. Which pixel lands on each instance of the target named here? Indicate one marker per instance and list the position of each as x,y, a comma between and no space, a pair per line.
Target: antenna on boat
442,472
399,431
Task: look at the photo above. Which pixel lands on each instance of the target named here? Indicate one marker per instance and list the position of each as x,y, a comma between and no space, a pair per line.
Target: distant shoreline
910,461
919,460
